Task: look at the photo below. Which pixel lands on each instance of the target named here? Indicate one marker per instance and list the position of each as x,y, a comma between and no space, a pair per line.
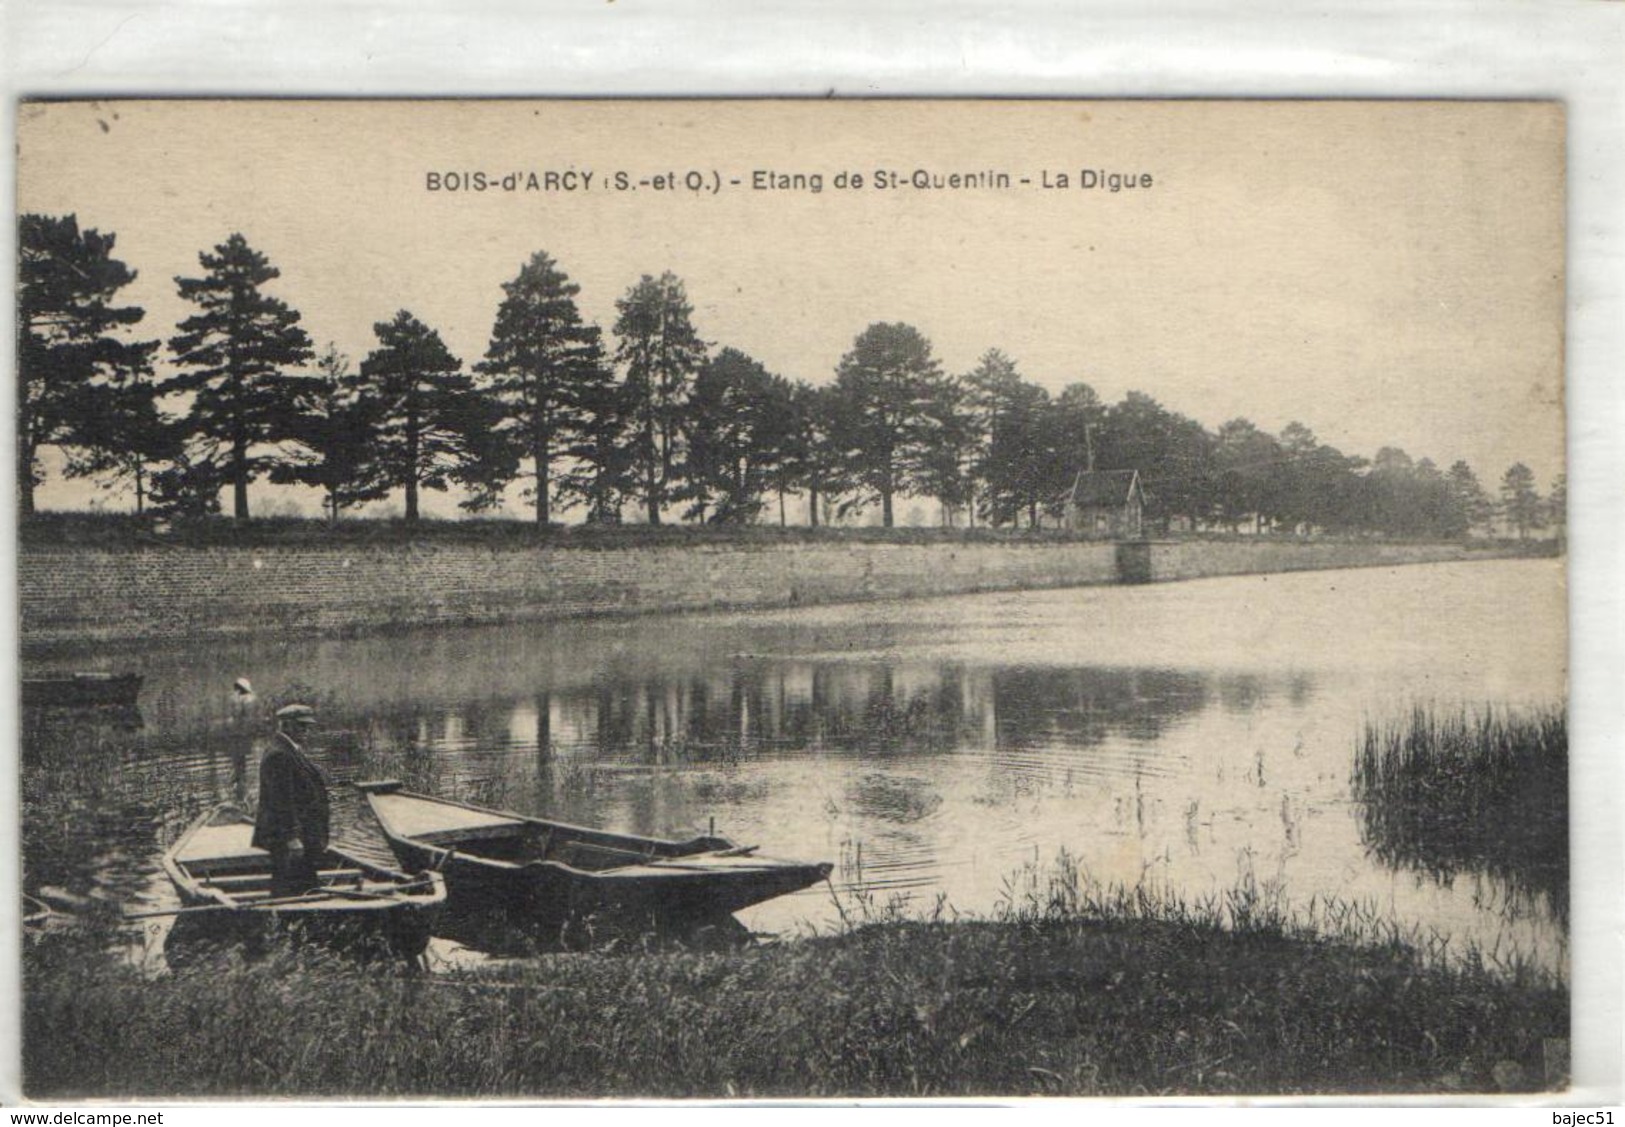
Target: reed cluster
1472,792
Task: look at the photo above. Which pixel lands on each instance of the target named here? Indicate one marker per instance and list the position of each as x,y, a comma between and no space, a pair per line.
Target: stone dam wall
70,596
1160,560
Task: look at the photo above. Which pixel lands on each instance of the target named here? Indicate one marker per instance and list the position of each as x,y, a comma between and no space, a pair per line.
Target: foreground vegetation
1071,991
1487,792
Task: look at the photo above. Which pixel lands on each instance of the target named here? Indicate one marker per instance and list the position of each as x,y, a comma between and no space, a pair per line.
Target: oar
302,898
196,908
697,860
691,865
363,894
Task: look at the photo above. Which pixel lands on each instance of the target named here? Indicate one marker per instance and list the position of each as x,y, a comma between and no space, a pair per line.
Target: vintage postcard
564,600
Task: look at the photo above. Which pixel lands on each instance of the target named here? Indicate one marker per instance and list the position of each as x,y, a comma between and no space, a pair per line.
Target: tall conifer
887,386
238,359
76,379
660,352
429,417
544,371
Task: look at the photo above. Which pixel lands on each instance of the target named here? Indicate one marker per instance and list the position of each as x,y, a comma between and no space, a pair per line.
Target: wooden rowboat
362,907
81,690
547,874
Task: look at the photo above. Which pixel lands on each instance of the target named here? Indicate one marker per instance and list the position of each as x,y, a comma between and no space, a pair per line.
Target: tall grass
1487,791
1075,989
1253,908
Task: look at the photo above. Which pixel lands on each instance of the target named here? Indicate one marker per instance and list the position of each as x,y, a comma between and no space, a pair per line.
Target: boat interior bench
249,886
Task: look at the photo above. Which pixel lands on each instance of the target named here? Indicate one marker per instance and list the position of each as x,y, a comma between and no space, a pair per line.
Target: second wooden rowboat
549,873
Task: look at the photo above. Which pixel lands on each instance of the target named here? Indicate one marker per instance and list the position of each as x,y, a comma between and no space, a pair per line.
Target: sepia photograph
792,599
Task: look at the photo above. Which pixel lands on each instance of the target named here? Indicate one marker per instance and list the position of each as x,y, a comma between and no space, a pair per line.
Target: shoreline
75,595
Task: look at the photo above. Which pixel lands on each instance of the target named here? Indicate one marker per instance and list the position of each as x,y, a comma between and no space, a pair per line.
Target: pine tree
602,473
779,437
996,396
1076,423
1247,475
1174,454
1557,505
544,371
429,416
187,486
809,459
1320,486
943,465
122,435
733,429
338,421
1475,506
1520,501
1033,446
660,352
238,359
75,379
886,384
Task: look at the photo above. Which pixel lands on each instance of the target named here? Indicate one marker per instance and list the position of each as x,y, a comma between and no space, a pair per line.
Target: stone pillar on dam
1134,561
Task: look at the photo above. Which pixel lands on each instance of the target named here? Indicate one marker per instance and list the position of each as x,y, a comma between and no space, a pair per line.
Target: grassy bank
1054,998
108,530
1472,792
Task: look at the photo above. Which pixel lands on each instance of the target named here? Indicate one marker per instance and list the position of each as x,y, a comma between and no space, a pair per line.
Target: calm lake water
1183,735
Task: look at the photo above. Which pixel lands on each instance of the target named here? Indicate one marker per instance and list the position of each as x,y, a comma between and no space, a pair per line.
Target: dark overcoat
293,799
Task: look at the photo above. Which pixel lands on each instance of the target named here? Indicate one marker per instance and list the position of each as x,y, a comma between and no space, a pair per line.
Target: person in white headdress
242,722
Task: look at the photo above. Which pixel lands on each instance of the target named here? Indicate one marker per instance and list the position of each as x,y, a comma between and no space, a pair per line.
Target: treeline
652,423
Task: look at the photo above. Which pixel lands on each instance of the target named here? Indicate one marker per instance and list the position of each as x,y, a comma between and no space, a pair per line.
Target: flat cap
296,714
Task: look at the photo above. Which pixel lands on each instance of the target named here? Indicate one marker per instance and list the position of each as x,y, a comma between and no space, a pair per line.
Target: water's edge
71,595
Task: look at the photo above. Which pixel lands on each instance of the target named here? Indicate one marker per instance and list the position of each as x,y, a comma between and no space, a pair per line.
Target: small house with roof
1109,504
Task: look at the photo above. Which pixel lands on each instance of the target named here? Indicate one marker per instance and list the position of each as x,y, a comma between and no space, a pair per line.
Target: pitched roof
1103,487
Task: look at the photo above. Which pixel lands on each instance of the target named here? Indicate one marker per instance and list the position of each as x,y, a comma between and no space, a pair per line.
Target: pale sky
1387,273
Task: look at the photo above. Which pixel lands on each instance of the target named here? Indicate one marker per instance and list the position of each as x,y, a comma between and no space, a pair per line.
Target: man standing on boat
291,823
